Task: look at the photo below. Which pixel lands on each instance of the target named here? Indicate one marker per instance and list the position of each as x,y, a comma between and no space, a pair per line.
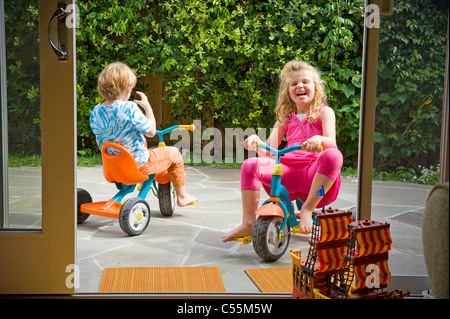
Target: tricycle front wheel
266,240
134,216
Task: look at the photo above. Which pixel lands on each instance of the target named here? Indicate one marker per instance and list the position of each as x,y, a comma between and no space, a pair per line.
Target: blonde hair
285,106
116,80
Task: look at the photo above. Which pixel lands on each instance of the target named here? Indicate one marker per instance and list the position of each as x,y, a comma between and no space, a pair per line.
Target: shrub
22,74
410,86
222,59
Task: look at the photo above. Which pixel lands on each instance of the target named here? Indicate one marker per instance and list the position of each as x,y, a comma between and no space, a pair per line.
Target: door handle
61,48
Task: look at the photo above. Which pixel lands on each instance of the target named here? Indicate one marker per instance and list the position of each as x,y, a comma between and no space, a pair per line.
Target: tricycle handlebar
175,127
283,151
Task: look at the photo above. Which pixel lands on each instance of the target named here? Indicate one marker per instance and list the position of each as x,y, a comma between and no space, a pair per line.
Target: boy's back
124,123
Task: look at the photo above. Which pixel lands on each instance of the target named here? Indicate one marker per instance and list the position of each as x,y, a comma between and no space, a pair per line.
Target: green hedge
222,59
410,85
22,74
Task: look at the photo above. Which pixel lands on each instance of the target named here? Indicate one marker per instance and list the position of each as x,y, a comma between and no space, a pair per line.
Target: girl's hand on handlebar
313,144
249,143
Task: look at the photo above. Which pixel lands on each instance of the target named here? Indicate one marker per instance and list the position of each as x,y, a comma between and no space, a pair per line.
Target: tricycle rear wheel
167,199
83,197
265,237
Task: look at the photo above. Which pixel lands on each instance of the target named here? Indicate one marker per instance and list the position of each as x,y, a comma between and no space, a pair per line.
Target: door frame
57,240
42,262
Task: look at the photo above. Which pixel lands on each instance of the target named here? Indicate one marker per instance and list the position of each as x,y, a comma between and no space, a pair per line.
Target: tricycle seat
120,168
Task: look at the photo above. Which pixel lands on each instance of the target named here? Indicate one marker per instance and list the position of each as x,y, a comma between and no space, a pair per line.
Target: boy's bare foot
240,231
305,221
185,200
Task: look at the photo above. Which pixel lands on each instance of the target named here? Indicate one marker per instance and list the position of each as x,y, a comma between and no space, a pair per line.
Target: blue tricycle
276,218
121,169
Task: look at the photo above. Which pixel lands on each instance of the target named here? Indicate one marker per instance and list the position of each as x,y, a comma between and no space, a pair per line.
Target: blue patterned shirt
123,123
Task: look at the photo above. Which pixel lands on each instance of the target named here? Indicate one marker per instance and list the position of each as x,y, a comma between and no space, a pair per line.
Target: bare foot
185,200
240,231
305,221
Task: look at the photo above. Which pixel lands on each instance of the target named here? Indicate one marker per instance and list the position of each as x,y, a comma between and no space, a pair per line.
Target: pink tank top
297,132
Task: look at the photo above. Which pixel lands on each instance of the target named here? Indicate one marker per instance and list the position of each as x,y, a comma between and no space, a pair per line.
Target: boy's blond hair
115,81
285,106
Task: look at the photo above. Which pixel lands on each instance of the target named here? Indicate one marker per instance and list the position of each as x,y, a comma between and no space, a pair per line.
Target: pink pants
296,179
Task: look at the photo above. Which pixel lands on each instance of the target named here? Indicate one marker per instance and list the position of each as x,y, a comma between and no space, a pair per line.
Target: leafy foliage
110,31
410,90
22,74
222,58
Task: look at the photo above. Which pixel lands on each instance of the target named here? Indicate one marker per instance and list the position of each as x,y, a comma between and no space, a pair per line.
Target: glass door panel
410,90
20,116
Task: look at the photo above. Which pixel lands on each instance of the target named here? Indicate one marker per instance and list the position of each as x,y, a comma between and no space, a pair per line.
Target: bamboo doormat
162,279
272,279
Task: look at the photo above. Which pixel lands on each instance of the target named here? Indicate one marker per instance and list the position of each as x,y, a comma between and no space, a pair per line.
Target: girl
121,121
303,116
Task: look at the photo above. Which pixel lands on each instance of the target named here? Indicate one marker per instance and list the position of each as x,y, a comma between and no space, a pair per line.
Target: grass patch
216,165
35,160
89,160
30,160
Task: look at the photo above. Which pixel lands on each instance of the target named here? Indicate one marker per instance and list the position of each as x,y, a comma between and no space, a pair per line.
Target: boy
121,121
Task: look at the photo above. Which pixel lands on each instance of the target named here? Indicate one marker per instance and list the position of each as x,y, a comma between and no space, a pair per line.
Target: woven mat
162,279
272,279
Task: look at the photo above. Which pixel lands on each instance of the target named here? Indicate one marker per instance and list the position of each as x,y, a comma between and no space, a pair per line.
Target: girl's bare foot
240,231
305,221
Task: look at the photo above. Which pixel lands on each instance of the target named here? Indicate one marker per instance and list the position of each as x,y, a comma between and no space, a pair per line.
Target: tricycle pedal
296,230
245,239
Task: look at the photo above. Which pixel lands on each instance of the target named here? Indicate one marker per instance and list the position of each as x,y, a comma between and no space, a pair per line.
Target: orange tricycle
121,169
